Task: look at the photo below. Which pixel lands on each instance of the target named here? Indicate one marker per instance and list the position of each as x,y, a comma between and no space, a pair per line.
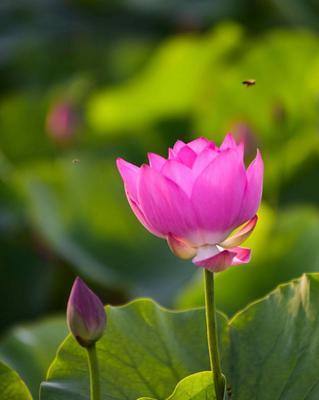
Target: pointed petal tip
120,161
77,284
240,236
125,168
200,144
228,142
258,157
243,256
155,161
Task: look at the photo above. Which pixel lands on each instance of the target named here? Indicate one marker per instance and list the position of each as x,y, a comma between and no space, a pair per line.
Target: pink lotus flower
196,198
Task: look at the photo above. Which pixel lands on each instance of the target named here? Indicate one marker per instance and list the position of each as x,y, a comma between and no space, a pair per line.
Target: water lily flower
196,198
86,316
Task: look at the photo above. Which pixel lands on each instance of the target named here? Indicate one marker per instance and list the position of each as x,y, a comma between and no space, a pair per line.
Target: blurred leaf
284,246
25,268
22,125
270,350
29,349
265,59
300,165
11,386
168,85
82,213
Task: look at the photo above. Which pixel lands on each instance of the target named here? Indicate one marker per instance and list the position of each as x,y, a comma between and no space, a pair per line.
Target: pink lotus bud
86,316
196,198
279,113
243,133
62,121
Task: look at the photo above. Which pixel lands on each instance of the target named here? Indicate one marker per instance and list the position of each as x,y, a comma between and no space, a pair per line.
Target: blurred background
85,81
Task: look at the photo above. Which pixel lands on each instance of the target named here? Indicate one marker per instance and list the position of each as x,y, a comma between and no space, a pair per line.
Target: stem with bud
95,390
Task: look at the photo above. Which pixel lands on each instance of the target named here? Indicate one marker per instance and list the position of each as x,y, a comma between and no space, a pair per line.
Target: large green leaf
11,385
29,349
270,350
275,344
145,352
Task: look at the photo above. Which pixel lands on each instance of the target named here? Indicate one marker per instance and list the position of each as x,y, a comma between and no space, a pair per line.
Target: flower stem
95,391
211,326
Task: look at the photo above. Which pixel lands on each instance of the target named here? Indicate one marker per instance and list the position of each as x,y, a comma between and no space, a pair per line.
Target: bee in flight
249,82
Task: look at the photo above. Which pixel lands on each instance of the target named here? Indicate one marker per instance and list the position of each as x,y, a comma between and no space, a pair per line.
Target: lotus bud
279,113
86,316
243,133
62,122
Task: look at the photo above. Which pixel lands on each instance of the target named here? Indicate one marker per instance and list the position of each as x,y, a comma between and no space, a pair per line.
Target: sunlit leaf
147,350
167,87
198,386
11,385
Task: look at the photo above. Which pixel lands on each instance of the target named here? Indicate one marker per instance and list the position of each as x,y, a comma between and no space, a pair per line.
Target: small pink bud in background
196,198
279,113
244,134
86,316
62,121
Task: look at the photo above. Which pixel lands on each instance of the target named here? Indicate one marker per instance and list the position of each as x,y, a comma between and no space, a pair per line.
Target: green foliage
147,350
278,337
11,385
198,386
92,238
133,90
142,353
141,98
167,87
29,349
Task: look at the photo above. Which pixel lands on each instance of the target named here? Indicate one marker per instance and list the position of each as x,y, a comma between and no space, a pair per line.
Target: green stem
95,391
212,335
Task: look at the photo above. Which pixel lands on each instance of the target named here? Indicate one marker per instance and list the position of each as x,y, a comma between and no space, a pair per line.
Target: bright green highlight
11,385
198,386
